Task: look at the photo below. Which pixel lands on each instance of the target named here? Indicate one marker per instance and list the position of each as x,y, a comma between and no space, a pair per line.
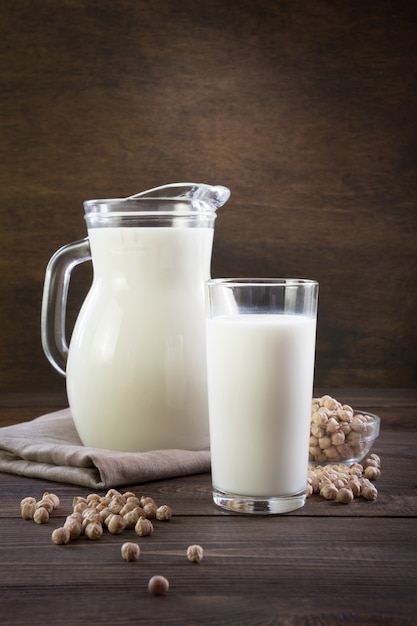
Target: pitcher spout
200,195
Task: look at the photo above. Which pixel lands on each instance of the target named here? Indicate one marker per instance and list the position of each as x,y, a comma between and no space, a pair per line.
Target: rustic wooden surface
306,110
325,564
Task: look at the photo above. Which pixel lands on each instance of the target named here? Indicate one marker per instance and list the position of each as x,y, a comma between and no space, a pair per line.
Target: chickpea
127,507
74,527
78,500
115,506
89,516
61,535
325,442
45,504
112,493
130,551
372,472
356,469
146,500
328,491
104,514
344,495
93,498
150,510
129,494
41,515
80,507
195,553
93,531
133,500
163,513
144,527
369,492
158,585
355,487
116,524
131,517
53,498
27,508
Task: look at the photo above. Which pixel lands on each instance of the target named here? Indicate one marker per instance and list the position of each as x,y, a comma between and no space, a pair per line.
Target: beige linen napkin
49,447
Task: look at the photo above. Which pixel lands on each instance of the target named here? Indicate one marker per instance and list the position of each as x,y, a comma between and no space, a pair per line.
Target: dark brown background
306,109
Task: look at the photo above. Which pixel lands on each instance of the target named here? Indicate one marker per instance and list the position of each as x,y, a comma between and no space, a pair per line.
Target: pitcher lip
188,198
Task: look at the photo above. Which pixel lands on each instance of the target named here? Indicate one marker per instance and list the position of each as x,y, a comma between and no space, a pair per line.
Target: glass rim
145,206
262,282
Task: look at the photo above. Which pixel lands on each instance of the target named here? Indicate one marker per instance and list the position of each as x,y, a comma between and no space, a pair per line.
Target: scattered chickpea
127,507
369,492
41,515
113,492
150,510
144,527
131,517
53,498
78,500
90,513
372,472
343,483
146,500
130,551
74,527
80,507
355,487
163,513
344,495
195,553
93,497
45,504
76,516
328,491
356,469
27,508
93,531
133,500
158,585
61,535
129,494
90,516
116,524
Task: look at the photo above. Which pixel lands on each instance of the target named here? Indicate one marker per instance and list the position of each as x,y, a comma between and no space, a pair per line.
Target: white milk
136,372
260,378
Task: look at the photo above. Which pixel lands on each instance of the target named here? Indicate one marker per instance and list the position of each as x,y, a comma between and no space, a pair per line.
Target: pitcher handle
54,300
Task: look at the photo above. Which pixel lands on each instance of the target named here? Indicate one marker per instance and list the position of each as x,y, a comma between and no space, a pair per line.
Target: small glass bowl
348,443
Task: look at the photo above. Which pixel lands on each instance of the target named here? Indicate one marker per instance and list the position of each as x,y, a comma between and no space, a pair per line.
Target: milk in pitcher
136,371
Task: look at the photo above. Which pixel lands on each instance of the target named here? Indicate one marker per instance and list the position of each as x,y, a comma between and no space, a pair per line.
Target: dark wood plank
324,564
252,572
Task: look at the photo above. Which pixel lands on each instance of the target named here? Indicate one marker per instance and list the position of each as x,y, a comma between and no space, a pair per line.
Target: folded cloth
49,447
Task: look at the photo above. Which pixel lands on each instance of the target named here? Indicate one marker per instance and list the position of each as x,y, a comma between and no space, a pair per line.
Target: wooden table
327,564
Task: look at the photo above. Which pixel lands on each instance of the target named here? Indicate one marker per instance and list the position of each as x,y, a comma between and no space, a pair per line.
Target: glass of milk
261,336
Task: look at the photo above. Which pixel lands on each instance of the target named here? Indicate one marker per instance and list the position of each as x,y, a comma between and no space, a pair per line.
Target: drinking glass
261,336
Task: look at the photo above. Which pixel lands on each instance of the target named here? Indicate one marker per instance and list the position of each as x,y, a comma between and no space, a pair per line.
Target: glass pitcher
136,365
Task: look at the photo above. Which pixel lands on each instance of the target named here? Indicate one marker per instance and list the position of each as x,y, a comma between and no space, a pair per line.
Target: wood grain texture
325,564
306,110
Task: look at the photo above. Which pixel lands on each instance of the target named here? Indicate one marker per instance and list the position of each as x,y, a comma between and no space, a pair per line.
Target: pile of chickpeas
342,482
114,512
337,433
